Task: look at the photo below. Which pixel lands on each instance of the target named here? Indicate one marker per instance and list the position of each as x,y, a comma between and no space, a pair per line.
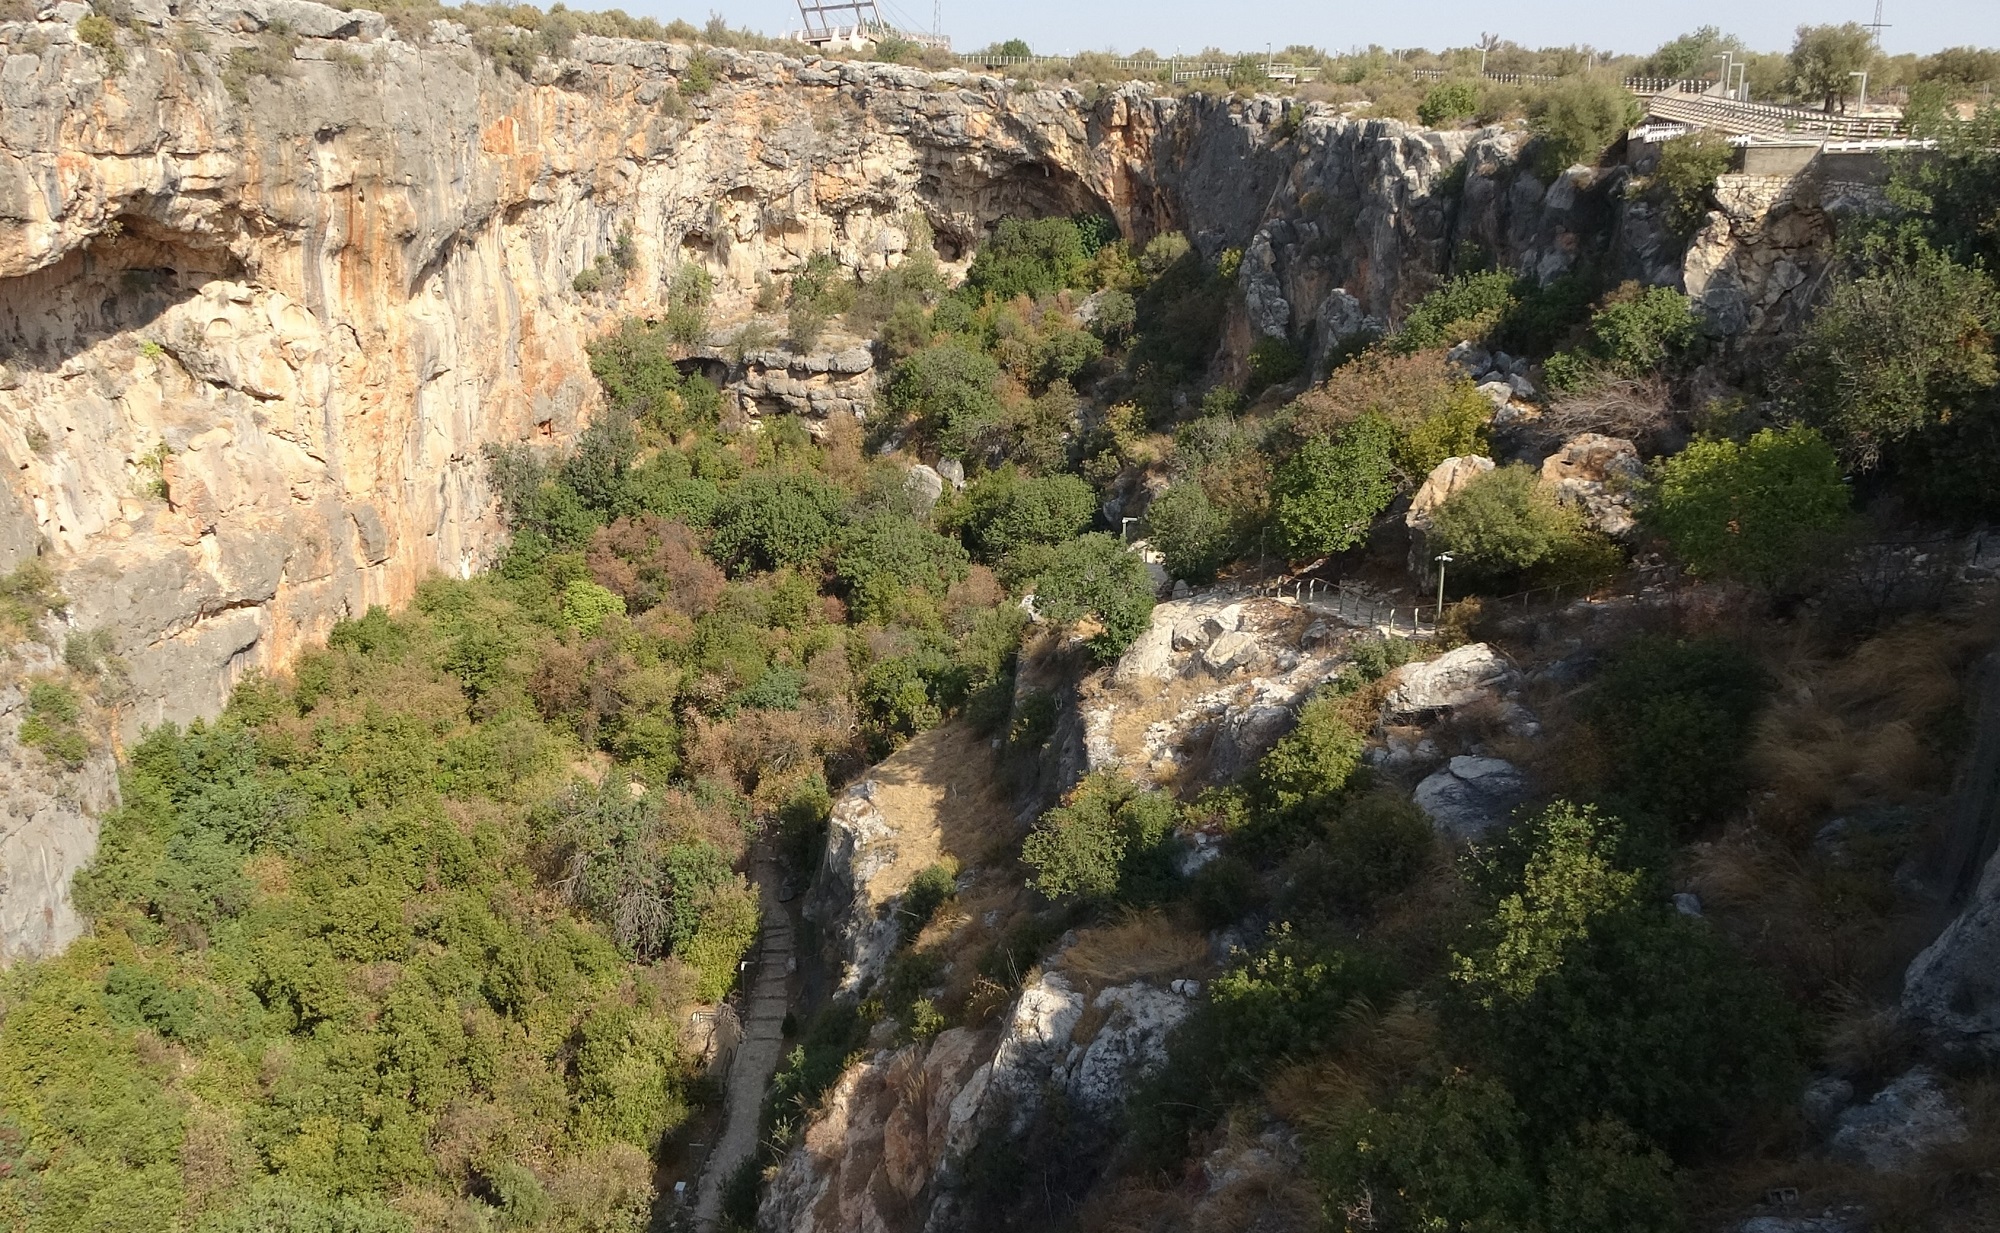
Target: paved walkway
757,1056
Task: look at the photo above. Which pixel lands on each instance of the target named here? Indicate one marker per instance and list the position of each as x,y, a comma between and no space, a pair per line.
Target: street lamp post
1727,59
1125,529
1443,559
1862,104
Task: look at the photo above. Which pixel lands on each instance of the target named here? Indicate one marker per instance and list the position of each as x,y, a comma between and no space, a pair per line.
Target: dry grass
1834,936
1871,727
1141,946
1380,1050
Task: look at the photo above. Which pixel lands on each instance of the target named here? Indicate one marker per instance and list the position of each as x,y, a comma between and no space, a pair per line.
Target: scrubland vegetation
407,939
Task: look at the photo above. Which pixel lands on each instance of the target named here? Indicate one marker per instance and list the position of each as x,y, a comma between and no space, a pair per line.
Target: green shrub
1600,1000
1445,1156
698,78
1117,313
1897,351
53,723
773,519
96,30
688,297
1195,537
1377,846
727,928
1448,101
1762,511
1305,773
1003,512
1327,493
1576,120
1286,1001
1684,181
931,889
1640,334
1274,361
819,293
1108,840
1506,523
635,365
1676,718
1097,577
1031,257
1467,307
886,560
949,391
585,605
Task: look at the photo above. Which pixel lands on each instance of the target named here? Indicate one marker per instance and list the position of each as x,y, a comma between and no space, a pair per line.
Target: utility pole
1487,42
1877,26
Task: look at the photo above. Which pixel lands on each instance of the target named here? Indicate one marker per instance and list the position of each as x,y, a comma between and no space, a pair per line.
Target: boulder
1902,1123
953,472
1222,621
1499,393
1471,796
1451,680
1230,651
923,486
1598,475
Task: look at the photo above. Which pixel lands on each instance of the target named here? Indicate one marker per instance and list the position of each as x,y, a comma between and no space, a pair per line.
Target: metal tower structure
1877,26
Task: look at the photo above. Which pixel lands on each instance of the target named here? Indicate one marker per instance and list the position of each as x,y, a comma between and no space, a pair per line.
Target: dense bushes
1095,577
1505,524
1762,511
332,879
1684,182
1031,257
1004,511
1638,333
1600,1000
1675,721
1188,529
948,391
1107,841
1577,120
1328,493
1466,307
1899,349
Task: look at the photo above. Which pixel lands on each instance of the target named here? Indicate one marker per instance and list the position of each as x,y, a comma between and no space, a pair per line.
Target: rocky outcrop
933,800
1599,476
1460,676
1900,1124
1752,268
1470,797
887,1148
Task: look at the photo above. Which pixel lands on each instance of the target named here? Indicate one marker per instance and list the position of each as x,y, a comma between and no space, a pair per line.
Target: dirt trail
757,1056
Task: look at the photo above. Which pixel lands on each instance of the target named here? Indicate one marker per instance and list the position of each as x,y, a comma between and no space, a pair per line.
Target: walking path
756,1058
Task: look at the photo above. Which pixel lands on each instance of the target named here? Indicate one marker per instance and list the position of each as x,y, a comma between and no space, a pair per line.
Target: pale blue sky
1059,26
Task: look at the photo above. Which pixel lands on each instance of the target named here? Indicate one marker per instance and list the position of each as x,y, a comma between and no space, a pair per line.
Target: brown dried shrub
650,561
